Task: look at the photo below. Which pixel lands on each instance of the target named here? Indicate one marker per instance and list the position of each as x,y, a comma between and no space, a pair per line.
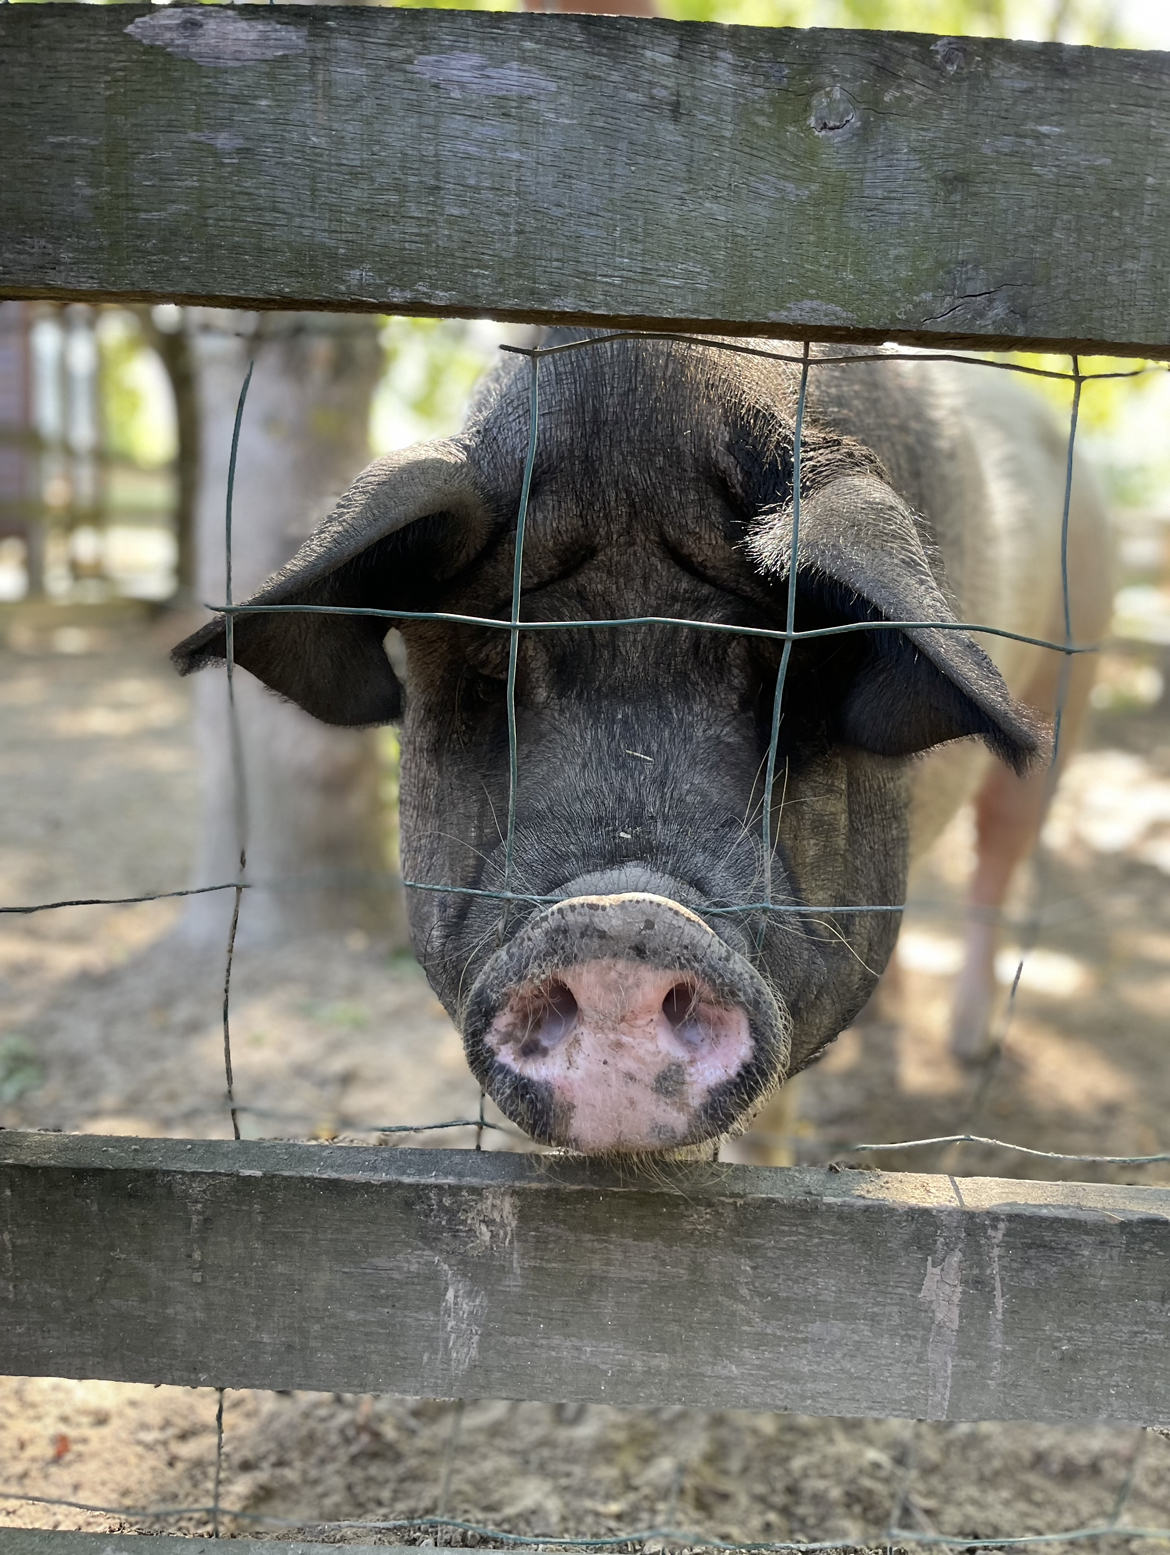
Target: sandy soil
104,1028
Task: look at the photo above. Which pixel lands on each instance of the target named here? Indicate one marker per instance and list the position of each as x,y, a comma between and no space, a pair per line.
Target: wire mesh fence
516,627
905,1522
835,916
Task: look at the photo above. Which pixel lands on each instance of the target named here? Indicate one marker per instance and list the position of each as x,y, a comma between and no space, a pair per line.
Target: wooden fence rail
849,185
447,1273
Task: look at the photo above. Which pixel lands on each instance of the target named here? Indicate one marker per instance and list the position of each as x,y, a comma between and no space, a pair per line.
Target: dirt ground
105,1027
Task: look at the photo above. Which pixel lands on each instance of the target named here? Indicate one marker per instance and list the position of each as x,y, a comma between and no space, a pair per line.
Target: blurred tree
164,332
316,835
20,515
139,426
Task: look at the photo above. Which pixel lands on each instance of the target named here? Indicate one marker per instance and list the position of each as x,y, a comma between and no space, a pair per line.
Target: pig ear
411,515
860,554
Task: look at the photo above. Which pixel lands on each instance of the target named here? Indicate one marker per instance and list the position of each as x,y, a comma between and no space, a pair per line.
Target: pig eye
487,658
476,698
484,685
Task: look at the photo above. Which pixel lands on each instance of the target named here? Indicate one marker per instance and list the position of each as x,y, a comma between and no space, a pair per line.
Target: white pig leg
1009,812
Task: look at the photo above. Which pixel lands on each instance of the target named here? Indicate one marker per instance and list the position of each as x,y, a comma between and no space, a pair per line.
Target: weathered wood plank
53,1541
447,1273
854,185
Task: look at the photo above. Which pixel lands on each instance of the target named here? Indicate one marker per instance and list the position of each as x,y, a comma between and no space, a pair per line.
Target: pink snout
623,1023
631,1051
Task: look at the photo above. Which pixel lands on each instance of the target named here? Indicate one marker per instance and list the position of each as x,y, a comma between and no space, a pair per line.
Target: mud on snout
623,1024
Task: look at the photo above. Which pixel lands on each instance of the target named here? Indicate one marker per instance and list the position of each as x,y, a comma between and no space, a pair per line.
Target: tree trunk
21,517
173,347
316,836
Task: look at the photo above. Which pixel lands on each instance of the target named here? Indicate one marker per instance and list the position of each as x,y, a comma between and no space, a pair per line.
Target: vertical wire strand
450,1451
514,636
902,1490
789,628
1135,1460
239,775
1032,927
219,1392
1121,1500
1066,666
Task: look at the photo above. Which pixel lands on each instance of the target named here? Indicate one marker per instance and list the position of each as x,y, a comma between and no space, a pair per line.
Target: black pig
636,1012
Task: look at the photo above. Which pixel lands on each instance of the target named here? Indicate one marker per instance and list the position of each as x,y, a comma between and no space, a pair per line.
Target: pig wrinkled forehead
609,407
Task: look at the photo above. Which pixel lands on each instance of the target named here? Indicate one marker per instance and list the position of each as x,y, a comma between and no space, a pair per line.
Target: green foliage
19,1070
431,365
344,1013
948,16
458,5
744,13
1057,21
137,405
1068,21
1122,420
1124,424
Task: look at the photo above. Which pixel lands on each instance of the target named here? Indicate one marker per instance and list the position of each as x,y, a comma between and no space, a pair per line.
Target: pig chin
623,1024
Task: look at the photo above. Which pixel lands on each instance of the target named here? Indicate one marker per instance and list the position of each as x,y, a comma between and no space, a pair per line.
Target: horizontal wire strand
1058,912
1154,364
354,1127
530,898
126,901
1004,1144
771,634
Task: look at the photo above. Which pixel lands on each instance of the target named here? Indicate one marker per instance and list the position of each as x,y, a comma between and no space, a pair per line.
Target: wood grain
848,185
451,1274
46,1541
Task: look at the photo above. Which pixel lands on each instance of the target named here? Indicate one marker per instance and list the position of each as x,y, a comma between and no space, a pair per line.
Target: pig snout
623,1023
630,1052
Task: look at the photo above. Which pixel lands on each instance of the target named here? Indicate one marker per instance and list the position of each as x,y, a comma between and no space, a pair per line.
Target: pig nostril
551,1019
561,1010
681,1008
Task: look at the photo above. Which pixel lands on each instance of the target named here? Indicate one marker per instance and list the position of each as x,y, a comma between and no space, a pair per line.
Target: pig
621,977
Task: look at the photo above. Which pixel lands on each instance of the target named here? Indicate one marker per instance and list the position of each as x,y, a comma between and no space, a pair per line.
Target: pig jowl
626,991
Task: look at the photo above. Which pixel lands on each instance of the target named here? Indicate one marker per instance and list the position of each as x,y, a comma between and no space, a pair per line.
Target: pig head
630,994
